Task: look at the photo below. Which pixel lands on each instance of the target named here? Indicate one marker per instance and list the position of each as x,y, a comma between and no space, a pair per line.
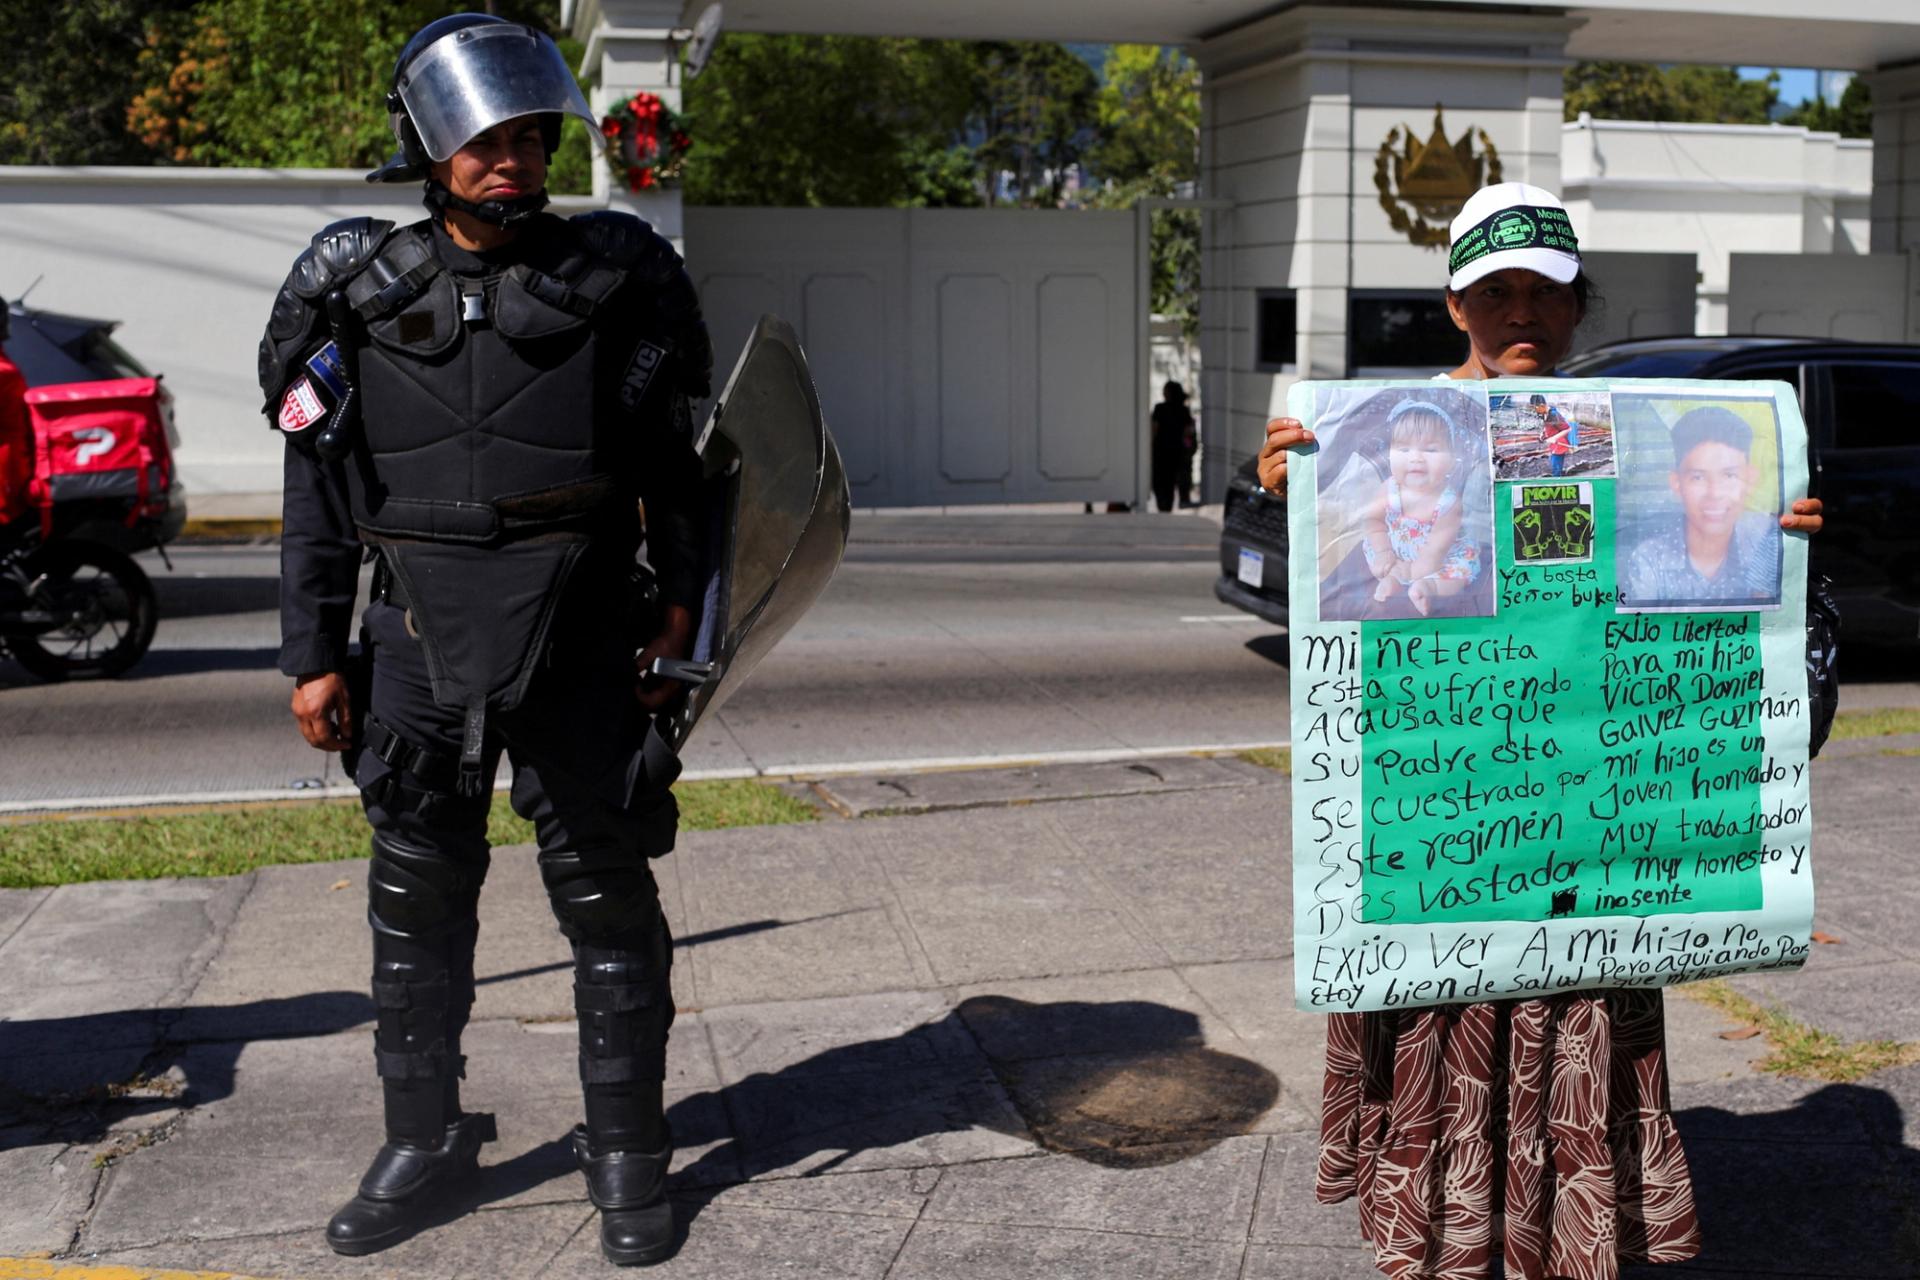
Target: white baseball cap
1511,224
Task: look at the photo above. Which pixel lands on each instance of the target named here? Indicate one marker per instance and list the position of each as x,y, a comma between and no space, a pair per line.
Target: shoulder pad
628,242
339,250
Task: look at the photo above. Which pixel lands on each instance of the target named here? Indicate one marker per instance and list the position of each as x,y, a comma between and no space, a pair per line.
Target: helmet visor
470,80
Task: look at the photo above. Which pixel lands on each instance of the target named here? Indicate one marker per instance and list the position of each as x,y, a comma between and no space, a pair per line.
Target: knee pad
414,887
599,895
624,999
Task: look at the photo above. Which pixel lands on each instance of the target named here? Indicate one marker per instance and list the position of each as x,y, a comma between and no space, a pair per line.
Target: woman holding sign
1542,1120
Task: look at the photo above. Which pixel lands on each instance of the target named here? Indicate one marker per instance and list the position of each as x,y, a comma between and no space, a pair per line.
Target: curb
32,1269
17,811
224,529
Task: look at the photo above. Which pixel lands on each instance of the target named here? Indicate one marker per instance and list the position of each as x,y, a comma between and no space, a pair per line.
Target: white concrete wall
188,260
1859,298
1713,191
1896,159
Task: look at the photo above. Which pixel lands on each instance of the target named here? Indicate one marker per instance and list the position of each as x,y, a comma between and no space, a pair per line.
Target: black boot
630,1190
406,1188
624,1148
422,912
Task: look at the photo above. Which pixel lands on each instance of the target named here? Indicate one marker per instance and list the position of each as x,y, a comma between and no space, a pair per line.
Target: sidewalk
1030,1040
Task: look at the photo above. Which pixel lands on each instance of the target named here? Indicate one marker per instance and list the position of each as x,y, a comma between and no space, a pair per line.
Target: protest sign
1549,688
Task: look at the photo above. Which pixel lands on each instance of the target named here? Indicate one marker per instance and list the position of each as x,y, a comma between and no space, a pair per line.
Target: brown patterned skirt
1534,1128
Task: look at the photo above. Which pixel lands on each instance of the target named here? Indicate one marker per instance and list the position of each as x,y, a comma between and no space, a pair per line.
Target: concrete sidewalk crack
926,1199
1253,1212
101,1173
221,916
27,919
573,1235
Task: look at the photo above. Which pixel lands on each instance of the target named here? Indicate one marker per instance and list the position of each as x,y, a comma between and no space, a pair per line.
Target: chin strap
501,213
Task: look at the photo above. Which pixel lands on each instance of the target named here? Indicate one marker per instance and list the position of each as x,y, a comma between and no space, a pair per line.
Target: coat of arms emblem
1424,184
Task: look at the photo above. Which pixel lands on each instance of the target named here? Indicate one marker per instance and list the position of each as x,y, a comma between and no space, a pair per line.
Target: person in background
1173,446
1538,1130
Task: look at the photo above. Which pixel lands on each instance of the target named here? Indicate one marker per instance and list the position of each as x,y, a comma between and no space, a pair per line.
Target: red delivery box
102,440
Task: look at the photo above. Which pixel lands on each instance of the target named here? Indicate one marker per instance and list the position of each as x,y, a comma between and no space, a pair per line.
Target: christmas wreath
647,140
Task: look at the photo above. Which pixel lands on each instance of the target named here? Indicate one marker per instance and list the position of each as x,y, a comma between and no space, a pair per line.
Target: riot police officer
482,403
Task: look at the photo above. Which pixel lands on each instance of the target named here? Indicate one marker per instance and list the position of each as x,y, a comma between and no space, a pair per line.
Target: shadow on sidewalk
1794,1191
76,1078
1125,1084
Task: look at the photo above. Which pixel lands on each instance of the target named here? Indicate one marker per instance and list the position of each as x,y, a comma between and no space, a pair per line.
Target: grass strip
224,842
1880,722
1801,1050
1279,759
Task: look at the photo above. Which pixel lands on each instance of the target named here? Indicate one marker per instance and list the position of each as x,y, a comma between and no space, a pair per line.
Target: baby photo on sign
1405,503
1551,433
1698,502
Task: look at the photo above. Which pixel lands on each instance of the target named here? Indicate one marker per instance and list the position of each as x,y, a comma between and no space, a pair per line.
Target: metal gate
961,355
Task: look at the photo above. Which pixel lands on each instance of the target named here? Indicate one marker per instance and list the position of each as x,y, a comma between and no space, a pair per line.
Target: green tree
1147,116
292,83
1643,91
830,120
1034,118
1851,117
64,72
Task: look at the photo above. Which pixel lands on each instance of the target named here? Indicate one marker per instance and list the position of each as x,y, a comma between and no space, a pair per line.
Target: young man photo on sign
1717,550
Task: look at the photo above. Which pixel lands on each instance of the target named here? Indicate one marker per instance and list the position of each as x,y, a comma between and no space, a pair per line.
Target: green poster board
1549,688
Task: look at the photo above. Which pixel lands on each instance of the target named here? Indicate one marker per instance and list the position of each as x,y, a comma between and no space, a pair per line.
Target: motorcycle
72,607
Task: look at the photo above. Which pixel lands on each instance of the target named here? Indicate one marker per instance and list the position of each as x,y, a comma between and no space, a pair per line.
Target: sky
1797,84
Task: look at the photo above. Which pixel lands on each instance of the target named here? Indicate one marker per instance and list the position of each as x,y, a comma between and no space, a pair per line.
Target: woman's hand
1805,517
1282,434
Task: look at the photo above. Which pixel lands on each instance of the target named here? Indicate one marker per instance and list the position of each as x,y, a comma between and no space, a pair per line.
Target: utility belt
421,780
574,508
431,770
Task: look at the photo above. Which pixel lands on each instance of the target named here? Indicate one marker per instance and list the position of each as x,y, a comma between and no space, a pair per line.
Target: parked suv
1862,406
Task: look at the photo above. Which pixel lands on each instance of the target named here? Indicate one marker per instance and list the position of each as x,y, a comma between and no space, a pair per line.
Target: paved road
943,638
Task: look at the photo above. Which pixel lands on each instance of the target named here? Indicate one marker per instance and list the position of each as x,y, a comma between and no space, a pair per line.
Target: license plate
1252,567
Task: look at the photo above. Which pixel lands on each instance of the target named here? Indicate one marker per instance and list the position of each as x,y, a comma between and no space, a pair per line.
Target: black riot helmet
460,76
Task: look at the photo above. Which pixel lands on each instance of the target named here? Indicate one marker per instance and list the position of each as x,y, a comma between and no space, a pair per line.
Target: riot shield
782,526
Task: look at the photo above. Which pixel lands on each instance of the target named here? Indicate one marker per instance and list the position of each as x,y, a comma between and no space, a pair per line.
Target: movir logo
1512,230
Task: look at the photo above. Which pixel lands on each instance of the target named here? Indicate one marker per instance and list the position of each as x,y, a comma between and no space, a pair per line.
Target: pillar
630,46
1295,111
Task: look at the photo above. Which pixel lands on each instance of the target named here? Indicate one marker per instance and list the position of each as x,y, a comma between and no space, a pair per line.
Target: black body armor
505,413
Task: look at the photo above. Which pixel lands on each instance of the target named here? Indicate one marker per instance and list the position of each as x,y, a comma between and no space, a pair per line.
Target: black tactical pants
430,858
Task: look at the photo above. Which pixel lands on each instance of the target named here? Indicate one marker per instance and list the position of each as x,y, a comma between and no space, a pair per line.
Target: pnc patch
640,370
